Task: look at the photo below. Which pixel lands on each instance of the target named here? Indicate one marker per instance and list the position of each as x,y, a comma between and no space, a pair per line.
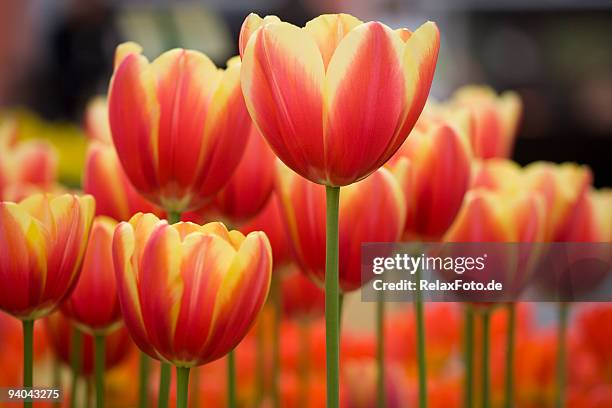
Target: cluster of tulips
300,144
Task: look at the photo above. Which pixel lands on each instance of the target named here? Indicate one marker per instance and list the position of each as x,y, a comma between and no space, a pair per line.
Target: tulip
498,175
497,216
302,299
105,179
93,304
492,120
372,210
438,177
43,239
311,103
96,120
250,186
189,293
179,124
25,165
592,218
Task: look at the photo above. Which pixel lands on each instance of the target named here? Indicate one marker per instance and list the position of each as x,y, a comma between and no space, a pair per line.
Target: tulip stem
143,387
420,332
561,354
182,387
468,355
510,336
99,369
380,350
332,300
164,386
57,379
76,352
278,306
231,380
486,372
173,217
28,345
261,359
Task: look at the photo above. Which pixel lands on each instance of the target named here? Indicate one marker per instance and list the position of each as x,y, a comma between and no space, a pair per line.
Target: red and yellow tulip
179,124
105,179
250,186
306,91
372,210
438,177
93,305
189,293
43,239
96,120
491,120
302,299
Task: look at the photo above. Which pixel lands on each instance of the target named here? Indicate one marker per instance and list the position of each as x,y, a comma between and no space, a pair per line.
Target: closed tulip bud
492,120
105,179
179,124
562,187
93,305
117,344
251,184
438,177
189,293
498,175
307,92
96,120
592,218
43,239
372,210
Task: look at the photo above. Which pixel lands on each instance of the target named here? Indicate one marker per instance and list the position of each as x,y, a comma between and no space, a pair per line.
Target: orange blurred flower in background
43,239
93,304
26,167
438,177
251,184
372,210
305,90
302,299
189,293
179,124
490,120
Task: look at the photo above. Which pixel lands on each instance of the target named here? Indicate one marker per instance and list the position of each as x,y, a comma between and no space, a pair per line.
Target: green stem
231,380
28,345
278,306
420,332
380,350
173,217
486,372
143,385
468,354
182,387
76,353
332,311
164,386
510,336
561,354
99,369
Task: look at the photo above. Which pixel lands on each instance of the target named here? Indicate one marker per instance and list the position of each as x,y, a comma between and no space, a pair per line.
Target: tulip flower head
179,124
43,239
438,177
189,293
93,305
336,98
96,120
372,210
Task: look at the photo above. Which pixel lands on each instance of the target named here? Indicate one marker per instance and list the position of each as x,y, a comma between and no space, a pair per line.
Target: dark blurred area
55,55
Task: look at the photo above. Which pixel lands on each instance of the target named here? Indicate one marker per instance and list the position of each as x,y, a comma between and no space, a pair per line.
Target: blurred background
56,54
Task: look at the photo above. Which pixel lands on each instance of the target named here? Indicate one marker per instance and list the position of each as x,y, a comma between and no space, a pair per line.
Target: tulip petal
250,24
363,114
328,30
283,90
